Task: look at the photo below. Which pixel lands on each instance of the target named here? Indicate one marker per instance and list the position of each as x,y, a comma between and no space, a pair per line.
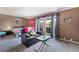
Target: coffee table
43,39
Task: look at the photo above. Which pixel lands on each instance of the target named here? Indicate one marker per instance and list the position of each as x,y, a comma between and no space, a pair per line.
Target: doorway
45,25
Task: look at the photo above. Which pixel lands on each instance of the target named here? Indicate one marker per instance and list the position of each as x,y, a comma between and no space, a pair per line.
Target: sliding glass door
45,25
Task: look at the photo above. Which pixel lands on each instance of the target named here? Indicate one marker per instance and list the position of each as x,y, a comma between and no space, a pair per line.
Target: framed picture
68,19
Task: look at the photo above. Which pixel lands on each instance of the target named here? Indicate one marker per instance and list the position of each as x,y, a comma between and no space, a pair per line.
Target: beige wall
7,21
70,29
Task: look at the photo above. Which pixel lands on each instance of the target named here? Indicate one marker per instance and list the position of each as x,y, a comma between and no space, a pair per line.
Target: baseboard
69,41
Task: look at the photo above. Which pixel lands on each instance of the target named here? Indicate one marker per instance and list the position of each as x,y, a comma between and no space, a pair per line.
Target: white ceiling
29,11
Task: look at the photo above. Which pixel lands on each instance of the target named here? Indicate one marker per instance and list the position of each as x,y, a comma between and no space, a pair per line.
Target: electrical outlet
70,39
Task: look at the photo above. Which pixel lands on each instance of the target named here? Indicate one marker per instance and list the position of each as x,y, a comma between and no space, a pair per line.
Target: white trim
69,41
66,9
